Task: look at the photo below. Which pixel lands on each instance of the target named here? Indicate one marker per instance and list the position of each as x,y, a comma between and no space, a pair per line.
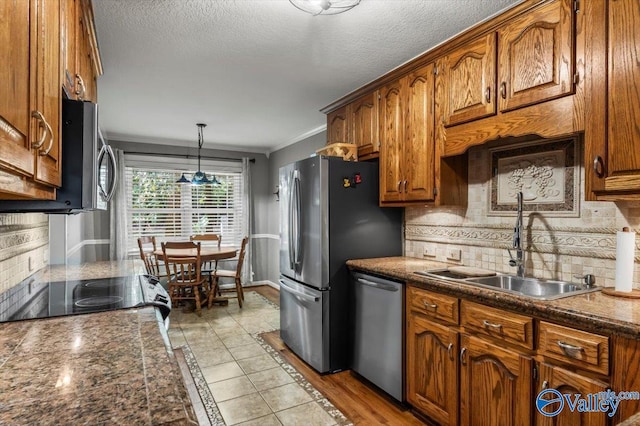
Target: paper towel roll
625,252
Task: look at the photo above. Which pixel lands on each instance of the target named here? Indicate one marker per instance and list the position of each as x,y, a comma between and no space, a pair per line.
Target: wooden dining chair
209,266
152,264
235,274
186,281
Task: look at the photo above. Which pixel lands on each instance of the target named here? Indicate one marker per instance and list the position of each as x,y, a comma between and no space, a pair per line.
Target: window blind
158,206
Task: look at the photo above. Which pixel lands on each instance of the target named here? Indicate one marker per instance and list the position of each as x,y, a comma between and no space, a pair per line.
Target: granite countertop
112,367
592,311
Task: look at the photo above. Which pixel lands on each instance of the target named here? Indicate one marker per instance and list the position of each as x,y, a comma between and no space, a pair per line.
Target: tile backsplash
556,247
24,246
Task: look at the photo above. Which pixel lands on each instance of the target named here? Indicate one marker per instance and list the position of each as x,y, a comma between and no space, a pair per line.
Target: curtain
118,212
247,272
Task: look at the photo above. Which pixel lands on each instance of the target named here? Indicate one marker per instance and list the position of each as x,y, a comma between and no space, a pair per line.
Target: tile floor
248,386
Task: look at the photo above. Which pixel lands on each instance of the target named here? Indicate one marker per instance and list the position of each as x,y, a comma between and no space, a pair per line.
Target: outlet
454,254
429,250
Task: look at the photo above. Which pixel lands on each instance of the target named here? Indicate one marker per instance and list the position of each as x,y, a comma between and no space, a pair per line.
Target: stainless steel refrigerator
329,213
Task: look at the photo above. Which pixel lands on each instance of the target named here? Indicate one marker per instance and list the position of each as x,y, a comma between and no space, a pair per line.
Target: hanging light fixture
199,177
324,7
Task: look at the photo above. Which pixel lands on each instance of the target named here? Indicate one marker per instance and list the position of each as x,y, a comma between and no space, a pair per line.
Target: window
158,206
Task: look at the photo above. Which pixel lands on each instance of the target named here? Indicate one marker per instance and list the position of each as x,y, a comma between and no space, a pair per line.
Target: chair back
183,268
207,237
147,246
243,248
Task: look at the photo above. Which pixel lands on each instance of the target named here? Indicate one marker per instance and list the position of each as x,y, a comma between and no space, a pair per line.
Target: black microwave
88,166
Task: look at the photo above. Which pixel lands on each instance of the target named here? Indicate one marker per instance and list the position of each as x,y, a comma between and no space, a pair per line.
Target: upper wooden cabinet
337,126
468,81
536,59
407,138
532,57
30,99
612,146
363,123
80,57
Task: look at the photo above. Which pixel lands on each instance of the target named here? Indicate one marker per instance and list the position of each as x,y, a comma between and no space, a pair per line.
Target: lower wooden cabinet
495,384
432,366
566,382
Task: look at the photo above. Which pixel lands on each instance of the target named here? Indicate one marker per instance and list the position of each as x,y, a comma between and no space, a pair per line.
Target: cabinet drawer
433,305
579,348
506,326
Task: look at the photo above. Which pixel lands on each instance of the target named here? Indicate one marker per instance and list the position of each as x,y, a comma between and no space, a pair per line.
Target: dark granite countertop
112,367
595,312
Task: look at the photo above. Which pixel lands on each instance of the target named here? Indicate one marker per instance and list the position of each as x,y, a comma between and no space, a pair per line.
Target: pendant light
199,177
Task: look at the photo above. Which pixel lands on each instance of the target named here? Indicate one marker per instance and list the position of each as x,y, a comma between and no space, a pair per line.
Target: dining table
207,254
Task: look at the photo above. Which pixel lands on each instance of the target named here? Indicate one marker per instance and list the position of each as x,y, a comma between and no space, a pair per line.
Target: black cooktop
36,299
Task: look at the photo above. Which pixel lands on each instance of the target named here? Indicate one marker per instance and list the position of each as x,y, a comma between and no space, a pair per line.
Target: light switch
454,254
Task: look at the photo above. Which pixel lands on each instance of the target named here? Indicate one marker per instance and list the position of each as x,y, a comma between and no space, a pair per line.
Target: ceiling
256,71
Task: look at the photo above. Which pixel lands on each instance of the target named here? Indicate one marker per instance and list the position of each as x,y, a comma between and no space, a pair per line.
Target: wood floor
362,404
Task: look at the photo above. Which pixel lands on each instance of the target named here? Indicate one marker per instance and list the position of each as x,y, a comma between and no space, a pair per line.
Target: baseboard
264,282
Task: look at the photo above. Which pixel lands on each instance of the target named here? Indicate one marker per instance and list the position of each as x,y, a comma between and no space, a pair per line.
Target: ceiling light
199,177
324,7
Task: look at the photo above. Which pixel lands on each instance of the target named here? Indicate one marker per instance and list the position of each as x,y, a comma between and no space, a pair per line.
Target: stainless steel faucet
517,242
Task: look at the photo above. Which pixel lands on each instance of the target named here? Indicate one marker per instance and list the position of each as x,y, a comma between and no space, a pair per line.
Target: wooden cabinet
536,59
566,382
495,384
612,158
407,169
30,99
468,76
80,58
363,123
432,366
337,126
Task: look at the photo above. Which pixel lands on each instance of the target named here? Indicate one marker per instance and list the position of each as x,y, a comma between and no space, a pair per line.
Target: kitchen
560,240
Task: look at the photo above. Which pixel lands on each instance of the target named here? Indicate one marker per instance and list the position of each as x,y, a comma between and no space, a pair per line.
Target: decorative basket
348,151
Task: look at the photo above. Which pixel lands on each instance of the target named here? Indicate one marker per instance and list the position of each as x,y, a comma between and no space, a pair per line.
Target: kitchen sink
531,287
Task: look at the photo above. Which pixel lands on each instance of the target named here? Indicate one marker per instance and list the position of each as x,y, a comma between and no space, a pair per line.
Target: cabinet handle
545,385
503,90
450,351
429,305
487,94
45,128
405,186
463,361
488,324
570,350
82,89
50,131
399,186
598,166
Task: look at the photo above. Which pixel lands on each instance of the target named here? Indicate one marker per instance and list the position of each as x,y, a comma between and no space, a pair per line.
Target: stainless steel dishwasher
379,337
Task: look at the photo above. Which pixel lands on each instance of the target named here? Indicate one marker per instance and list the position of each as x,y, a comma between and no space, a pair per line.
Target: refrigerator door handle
386,287
290,222
300,294
298,208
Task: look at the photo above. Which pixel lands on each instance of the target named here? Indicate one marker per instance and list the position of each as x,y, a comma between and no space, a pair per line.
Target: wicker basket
348,151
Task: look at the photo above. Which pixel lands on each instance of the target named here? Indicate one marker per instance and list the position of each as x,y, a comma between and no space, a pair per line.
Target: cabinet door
432,369
364,124
48,89
567,382
419,135
536,56
68,36
623,130
337,128
495,384
15,147
469,81
391,142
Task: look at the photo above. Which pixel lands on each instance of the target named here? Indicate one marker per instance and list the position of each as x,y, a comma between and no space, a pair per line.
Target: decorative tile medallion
548,175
